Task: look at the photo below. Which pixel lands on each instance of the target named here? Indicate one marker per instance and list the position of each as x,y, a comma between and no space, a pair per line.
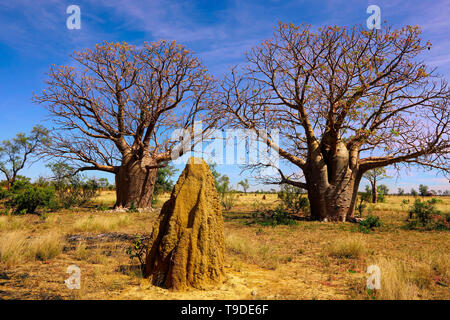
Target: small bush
133,207
138,250
369,223
228,201
424,215
279,216
293,200
102,207
30,198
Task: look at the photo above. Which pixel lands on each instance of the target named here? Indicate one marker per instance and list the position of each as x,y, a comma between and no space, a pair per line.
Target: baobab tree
115,111
345,101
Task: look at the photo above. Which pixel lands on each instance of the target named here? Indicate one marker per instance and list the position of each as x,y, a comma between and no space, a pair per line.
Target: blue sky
34,35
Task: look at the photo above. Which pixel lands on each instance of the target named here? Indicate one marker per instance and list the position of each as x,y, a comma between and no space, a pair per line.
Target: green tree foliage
164,180
374,176
382,190
293,200
24,197
365,196
244,184
71,188
32,197
423,190
223,186
15,153
424,215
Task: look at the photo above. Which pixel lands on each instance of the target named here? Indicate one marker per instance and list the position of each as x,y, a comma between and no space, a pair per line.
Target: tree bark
332,184
135,184
334,202
374,191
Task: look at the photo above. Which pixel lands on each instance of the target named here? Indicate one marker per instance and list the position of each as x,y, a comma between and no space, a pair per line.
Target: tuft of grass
261,255
81,252
45,247
396,281
16,247
9,223
12,248
350,248
101,223
440,263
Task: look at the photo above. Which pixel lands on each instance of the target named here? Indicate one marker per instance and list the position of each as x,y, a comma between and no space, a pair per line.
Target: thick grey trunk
332,185
135,184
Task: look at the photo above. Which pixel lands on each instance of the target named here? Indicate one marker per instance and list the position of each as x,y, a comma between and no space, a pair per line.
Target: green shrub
138,250
72,189
293,200
424,215
228,201
102,207
132,207
277,217
435,201
30,198
369,223
4,194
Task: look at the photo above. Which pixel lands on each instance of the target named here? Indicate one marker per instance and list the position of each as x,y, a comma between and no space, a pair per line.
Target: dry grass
16,247
93,223
13,248
396,281
9,223
260,254
311,260
46,247
350,248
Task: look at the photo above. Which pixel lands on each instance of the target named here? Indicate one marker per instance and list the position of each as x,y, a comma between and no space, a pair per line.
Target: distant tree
414,193
223,186
16,152
164,180
423,190
367,194
446,193
382,191
71,188
244,184
103,183
400,191
374,176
